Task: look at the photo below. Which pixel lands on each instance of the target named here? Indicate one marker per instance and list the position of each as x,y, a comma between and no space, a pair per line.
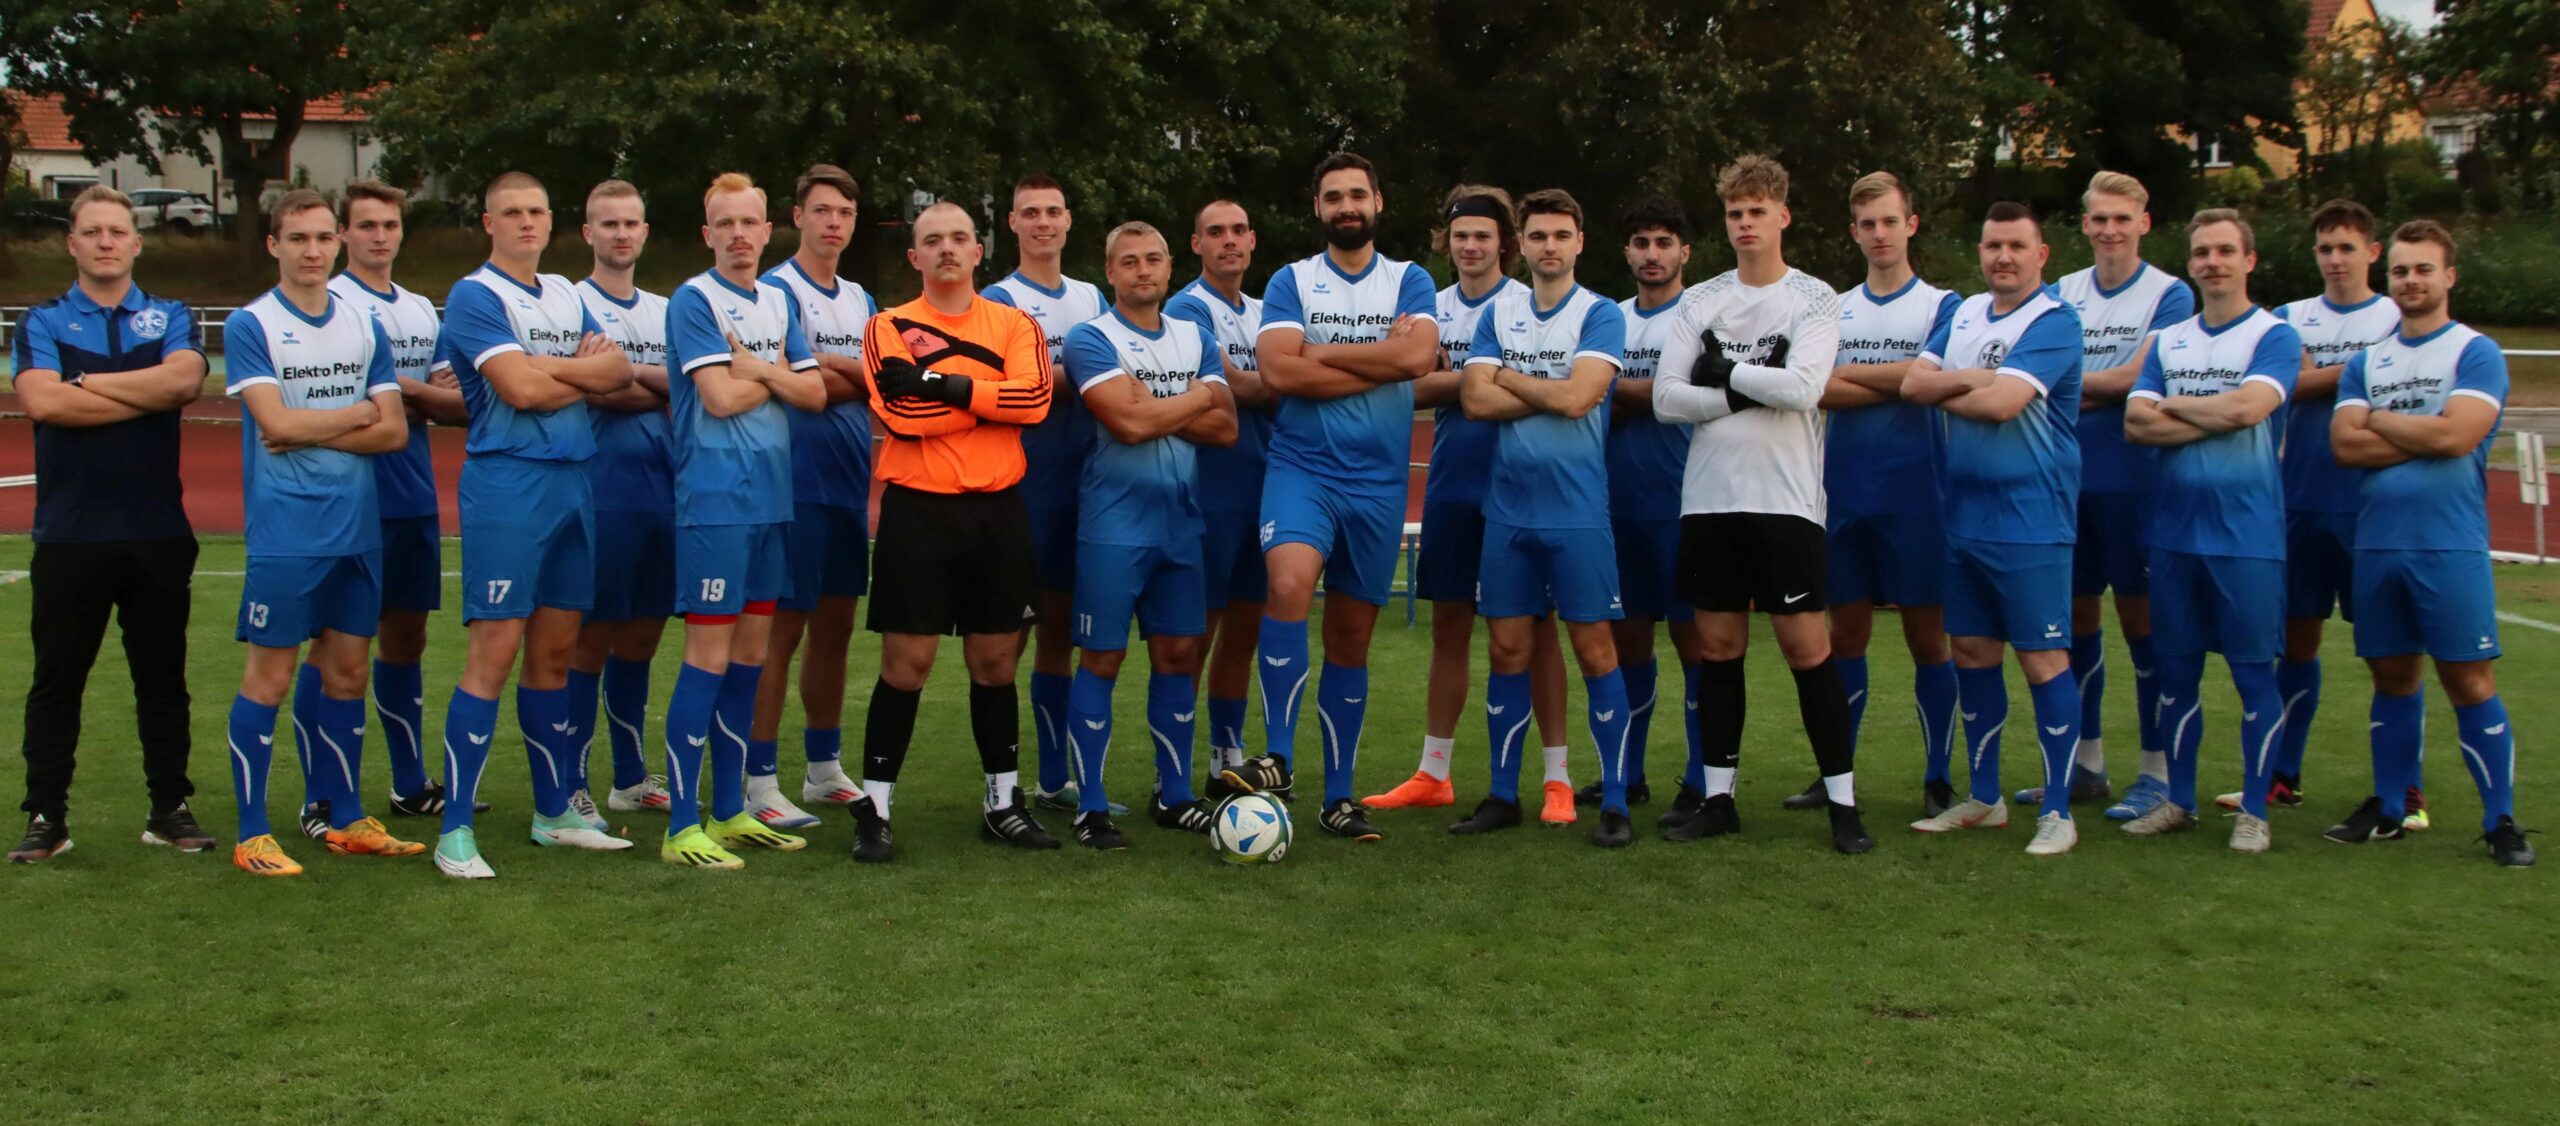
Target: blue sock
2089,668
1694,774
2298,682
1169,724
1935,688
2146,692
1640,679
824,744
2489,749
253,739
1088,722
1283,674
469,723
2181,680
400,698
2057,706
1611,731
583,689
733,711
1853,681
2399,727
1506,721
306,732
2262,723
764,758
342,759
1226,727
542,716
1048,728
1984,696
689,710
1342,704
626,714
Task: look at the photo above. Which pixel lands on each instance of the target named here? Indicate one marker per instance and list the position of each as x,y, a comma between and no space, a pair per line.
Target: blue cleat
2140,798
2086,786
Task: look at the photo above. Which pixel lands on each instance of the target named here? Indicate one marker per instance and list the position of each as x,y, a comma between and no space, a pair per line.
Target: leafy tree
2355,85
2508,52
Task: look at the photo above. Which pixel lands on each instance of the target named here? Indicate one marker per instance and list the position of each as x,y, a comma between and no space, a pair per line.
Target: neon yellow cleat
694,848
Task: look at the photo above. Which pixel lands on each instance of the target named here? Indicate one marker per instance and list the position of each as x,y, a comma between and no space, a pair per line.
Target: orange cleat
1559,810
262,856
1421,791
369,838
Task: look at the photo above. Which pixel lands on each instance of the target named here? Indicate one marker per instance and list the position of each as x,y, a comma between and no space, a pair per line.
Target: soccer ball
1250,829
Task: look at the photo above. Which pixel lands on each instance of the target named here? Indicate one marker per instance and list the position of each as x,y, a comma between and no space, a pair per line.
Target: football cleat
1848,830
744,831
2416,804
1966,814
1014,825
1684,805
1558,810
570,831
1260,774
1638,793
872,842
1937,796
1421,791
1615,831
1716,816
47,837
2055,835
2249,833
1068,799
1810,797
2281,791
1095,831
650,795
2507,845
262,856
458,856
1192,816
1346,818
427,802
694,848
2164,818
2146,794
828,784
1492,815
315,821
585,807
176,828
2366,824
368,837
2086,786
765,801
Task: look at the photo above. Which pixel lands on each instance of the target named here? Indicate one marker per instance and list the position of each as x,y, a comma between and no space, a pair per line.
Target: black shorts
1730,561
956,563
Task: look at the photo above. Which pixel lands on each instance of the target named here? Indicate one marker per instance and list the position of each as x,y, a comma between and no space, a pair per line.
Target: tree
2507,52
2355,84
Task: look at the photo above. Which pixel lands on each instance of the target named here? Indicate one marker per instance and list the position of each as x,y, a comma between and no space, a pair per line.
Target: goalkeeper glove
1712,368
899,377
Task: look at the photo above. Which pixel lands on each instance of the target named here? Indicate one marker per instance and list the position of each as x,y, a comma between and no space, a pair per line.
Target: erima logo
2179,345
1278,662
266,740
287,336
1604,717
1968,717
694,740
733,310
1493,709
2165,700
1184,717
2500,729
561,727
2486,643
1323,288
1095,724
2052,630
1520,326
2054,730
2248,717
477,740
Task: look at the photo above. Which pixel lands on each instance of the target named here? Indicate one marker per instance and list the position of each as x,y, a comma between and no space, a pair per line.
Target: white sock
1221,758
1435,756
1841,788
2090,755
1000,789
877,793
2155,766
826,770
1557,771
763,785
1719,780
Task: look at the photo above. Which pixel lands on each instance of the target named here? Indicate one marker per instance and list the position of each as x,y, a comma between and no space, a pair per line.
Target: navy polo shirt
118,482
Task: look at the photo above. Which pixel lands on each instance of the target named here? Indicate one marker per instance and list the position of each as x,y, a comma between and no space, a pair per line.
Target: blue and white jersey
1882,460
734,470
2113,325
1549,471
489,314
1647,456
312,501
2430,503
406,480
632,470
2313,479
1230,477
2016,481
1146,494
1461,448
2224,493
1057,444
830,449
1361,443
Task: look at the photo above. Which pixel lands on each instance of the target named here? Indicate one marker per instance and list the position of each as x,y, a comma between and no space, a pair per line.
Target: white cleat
830,787
458,856
765,800
585,807
2055,835
2250,834
1966,814
570,831
2165,818
650,795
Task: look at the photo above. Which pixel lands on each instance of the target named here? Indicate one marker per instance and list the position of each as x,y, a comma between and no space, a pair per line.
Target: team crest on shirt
149,324
1994,352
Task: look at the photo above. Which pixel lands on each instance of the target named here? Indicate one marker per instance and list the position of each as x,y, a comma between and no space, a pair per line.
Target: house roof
2324,16
48,128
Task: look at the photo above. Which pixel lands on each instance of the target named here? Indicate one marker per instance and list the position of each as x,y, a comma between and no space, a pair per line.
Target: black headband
1479,207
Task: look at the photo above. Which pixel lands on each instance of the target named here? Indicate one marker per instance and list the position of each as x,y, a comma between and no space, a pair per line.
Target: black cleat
1848,833
1259,774
1615,830
47,837
1217,789
1348,818
1492,815
427,802
1638,793
1810,797
315,821
1192,816
872,843
1095,831
1014,825
2285,790
2507,844
1715,818
1684,805
1936,796
176,828
2367,823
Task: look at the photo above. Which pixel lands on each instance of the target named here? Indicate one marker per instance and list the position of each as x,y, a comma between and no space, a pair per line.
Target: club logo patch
149,324
1994,352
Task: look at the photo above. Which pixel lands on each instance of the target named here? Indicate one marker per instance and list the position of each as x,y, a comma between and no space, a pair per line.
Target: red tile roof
2324,14
48,128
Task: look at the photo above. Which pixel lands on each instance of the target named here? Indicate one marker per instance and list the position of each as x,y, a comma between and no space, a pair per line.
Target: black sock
1823,699
995,718
1720,702
887,730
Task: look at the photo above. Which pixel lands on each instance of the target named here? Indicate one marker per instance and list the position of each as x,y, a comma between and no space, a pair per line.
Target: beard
1352,236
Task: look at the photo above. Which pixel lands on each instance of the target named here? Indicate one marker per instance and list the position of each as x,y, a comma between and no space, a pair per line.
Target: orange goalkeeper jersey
940,448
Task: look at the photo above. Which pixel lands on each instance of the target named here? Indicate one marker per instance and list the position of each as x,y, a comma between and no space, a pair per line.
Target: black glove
1777,356
942,387
899,377
1712,369
1739,402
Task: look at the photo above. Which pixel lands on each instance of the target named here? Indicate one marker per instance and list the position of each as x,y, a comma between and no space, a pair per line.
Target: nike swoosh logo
2057,730
476,740
1278,662
2374,726
1792,599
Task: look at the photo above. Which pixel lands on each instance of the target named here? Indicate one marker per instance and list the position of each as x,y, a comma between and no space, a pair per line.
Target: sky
2420,13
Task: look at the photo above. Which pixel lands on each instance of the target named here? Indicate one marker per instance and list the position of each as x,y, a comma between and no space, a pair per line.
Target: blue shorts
413,564
2217,603
2110,552
722,567
1053,530
2017,592
1897,558
528,537
2319,564
1163,587
1649,569
1358,534
1529,570
2441,603
636,567
830,555
1452,551
1231,558
289,599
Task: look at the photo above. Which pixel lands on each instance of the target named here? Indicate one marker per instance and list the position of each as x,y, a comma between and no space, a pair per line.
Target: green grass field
1527,977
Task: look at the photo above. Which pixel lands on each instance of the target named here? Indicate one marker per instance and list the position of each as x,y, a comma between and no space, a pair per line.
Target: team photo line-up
1991,465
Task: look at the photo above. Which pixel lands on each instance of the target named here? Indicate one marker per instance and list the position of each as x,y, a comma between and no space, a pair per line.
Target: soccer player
2121,301
955,379
369,223
1056,449
830,534
319,401
2004,375
1539,369
737,361
103,371
1481,238
528,355
2417,412
2207,398
1345,332
1157,390
1880,480
634,482
1230,492
1755,344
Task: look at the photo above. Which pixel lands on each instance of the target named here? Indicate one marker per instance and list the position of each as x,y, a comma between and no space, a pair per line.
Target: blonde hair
728,182
612,189
99,193
1753,177
1875,185
2212,215
1132,229
2117,183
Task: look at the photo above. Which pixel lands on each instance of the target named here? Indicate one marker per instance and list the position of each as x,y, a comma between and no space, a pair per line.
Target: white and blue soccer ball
1250,829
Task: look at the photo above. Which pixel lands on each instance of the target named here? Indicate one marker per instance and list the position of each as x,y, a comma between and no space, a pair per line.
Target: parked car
41,215
176,209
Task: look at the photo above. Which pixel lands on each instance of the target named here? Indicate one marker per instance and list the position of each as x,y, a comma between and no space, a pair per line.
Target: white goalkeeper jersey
1766,458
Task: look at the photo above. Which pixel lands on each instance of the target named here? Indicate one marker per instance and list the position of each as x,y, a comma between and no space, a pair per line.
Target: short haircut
1874,186
1336,163
1506,225
612,189
2117,183
1204,209
294,203
1551,201
374,190
1753,176
2212,215
2346,213
1134,228
508,182
940,205
2427,230
1657,211
727,182
825,175
99,193
2011,211
1038,181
